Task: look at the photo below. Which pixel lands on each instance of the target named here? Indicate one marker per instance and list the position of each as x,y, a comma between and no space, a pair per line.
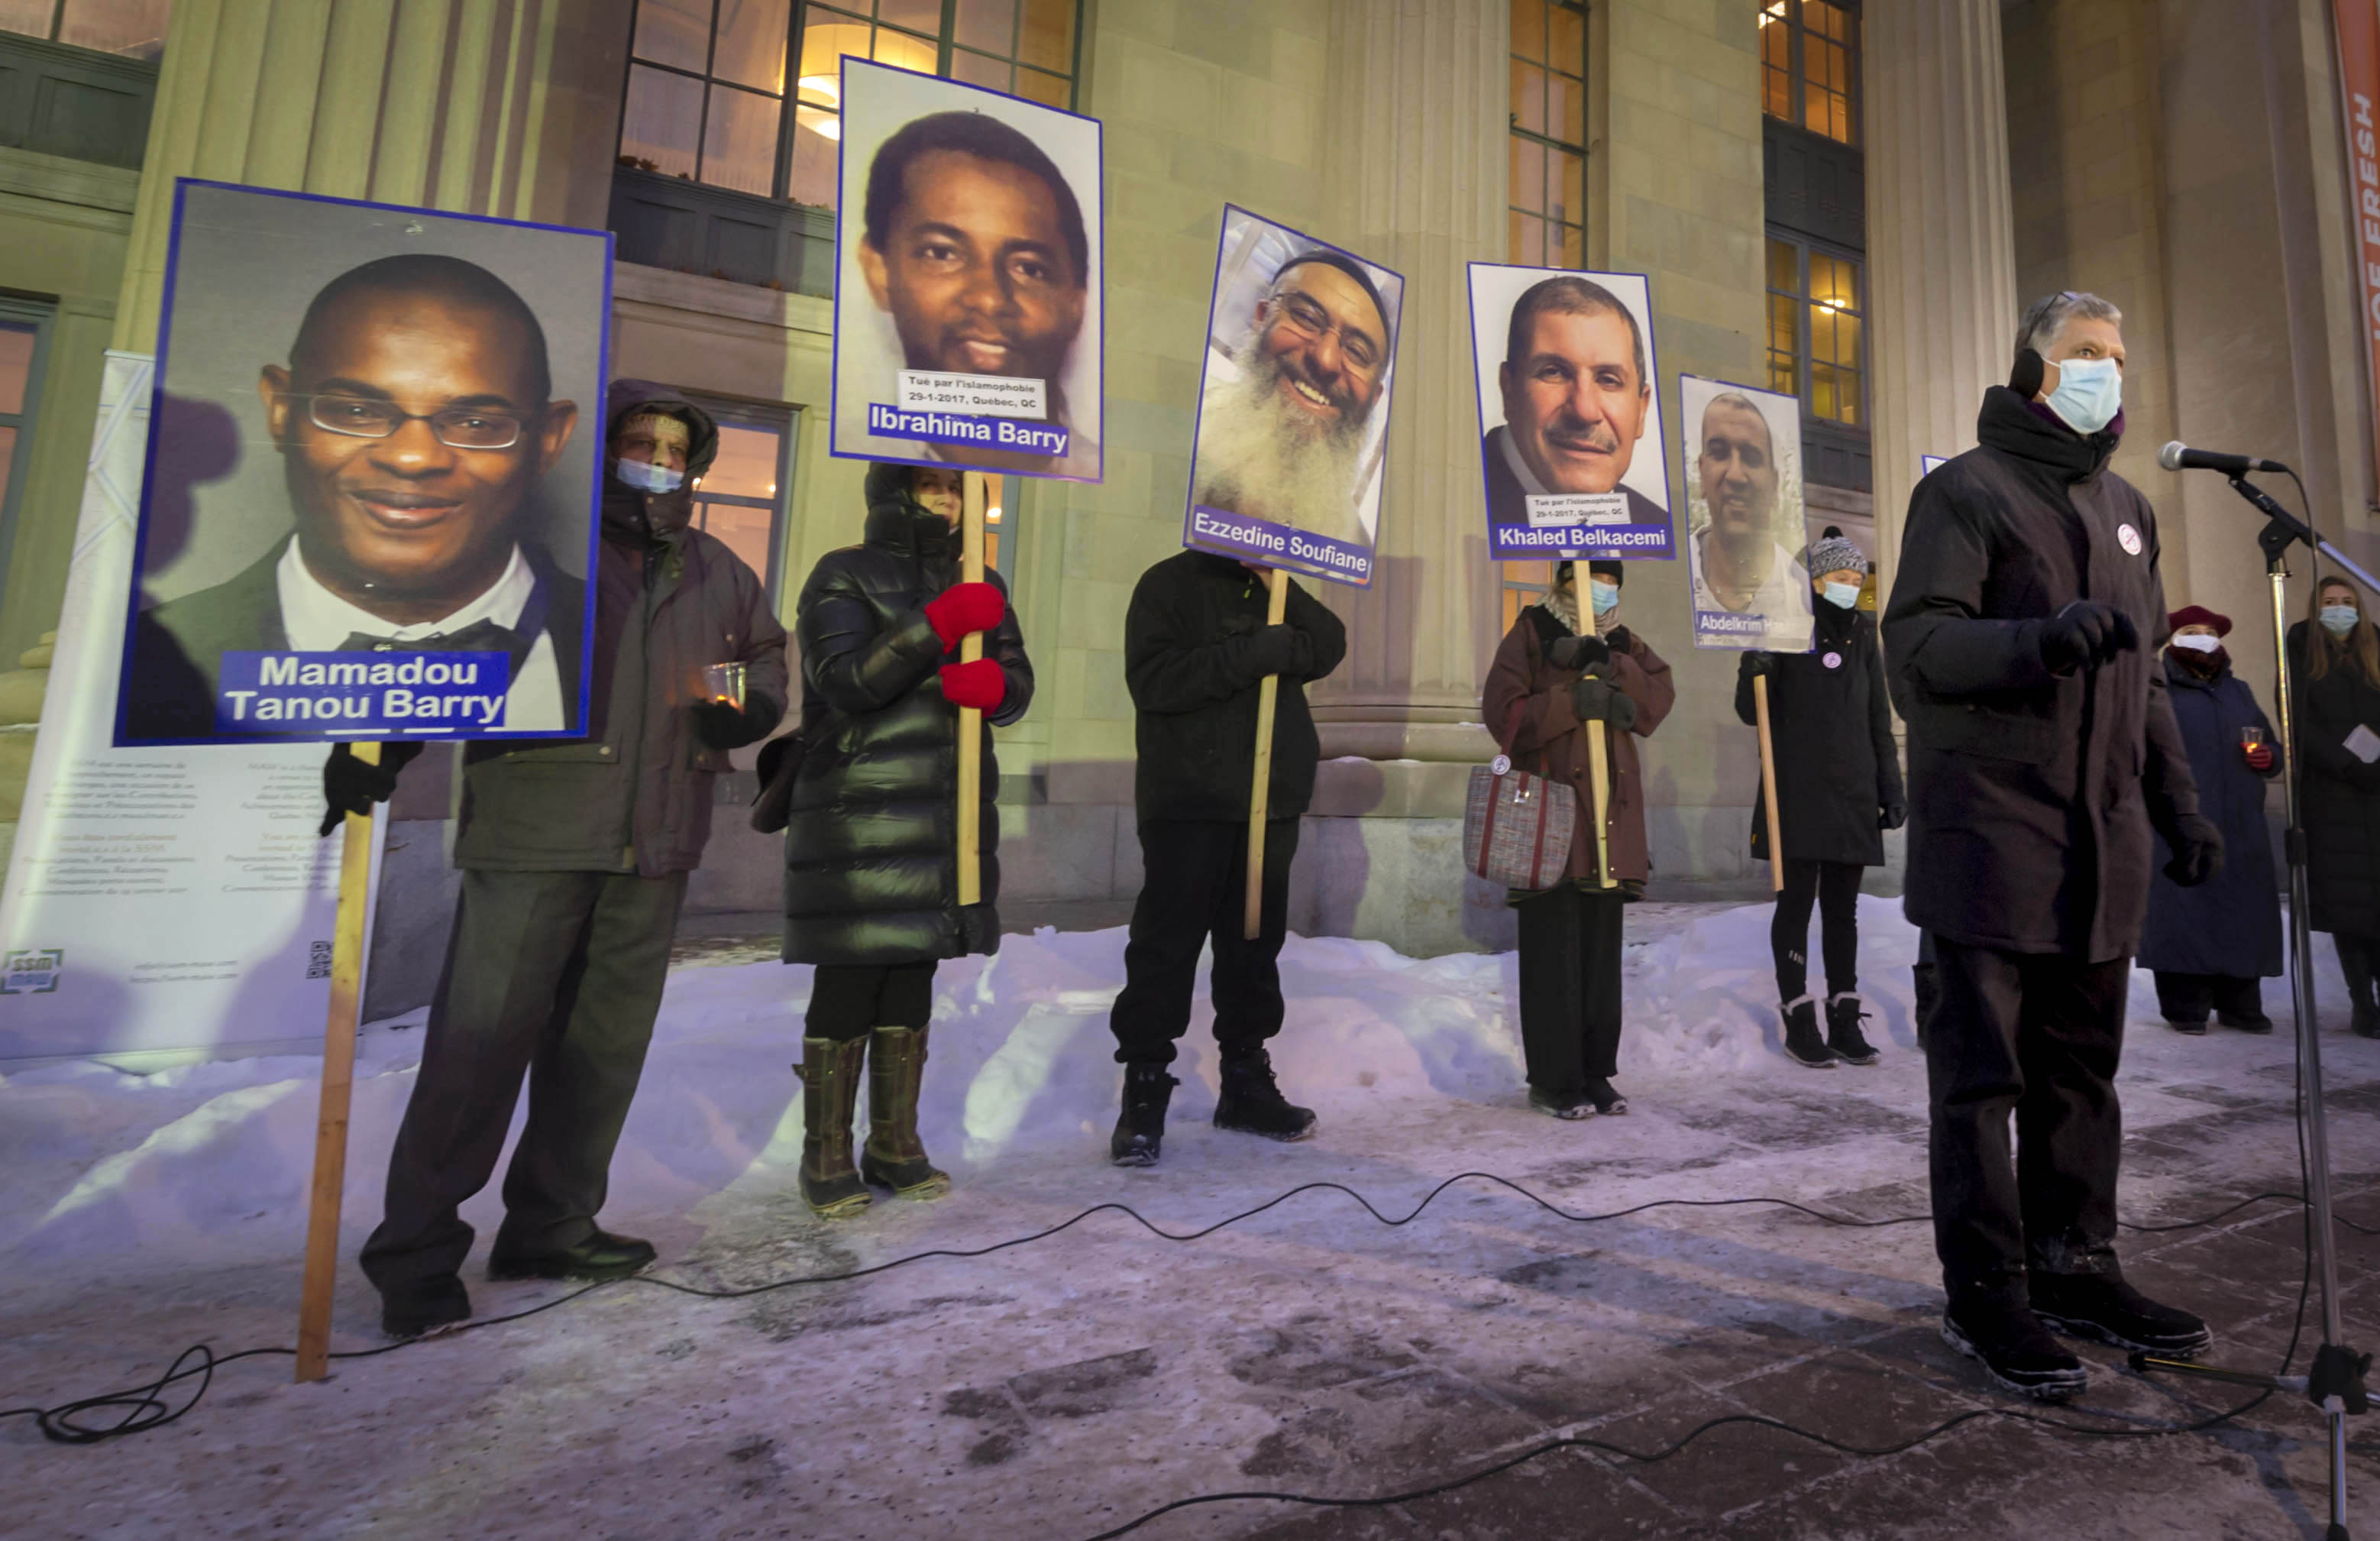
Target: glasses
456,427
1313,323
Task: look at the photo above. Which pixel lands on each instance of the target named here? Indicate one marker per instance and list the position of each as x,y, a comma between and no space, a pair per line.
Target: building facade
1846,200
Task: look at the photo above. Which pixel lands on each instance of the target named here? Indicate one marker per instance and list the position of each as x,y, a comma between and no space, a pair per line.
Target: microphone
2178,456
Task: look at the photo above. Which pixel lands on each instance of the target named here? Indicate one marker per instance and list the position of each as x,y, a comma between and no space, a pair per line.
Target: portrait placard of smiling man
1744,532
370,506
1570,445
1293,402
966,300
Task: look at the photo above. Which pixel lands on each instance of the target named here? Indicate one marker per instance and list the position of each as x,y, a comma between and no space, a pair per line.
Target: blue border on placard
1653,375
1206,357
841,204
1716,644
579,724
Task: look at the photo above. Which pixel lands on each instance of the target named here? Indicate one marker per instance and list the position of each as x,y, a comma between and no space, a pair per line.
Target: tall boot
894,1157
830,1072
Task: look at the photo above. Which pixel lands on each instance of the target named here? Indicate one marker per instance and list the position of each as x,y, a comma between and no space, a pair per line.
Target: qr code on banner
318,960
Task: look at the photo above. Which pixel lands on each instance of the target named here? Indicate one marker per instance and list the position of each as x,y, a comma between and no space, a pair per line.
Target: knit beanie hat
1836,552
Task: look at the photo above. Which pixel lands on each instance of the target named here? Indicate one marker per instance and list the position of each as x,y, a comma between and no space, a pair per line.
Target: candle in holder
724,683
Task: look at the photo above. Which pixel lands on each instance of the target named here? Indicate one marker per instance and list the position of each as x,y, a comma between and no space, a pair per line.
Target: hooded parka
1831,727
636,794
2032,794
2342,796
871,846
2231,925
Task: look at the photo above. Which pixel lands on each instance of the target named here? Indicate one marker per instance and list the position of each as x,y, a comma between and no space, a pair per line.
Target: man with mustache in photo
975,245
414,426
1283,438
1738,565
1576,395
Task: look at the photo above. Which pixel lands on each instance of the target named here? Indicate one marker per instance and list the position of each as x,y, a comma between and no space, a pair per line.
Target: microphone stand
2335,1382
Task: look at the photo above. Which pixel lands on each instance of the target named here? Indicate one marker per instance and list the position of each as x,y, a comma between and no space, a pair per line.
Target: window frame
1547,142
1803,362
1797,77
788,97
785,422
26,421
57,26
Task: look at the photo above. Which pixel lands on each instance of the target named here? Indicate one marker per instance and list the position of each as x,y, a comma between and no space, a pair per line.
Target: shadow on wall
198,442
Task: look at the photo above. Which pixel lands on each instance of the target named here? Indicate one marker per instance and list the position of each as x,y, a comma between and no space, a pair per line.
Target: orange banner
2358,96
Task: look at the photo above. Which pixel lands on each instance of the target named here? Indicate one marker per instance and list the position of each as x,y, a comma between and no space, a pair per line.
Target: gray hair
2048,316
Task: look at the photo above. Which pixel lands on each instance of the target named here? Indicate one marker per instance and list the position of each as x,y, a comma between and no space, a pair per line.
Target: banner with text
2359,98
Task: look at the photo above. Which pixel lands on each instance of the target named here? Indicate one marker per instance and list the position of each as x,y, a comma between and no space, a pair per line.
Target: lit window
1525,584
133,27
741,500
1809,65
24,334
1547,219
1817,344
707,95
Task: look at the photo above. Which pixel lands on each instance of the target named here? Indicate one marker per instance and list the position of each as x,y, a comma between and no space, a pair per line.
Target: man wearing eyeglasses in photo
414,424
1281,435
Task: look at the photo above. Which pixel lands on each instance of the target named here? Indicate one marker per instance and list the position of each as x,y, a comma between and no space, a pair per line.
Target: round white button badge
2130,538
1501,765
1833,660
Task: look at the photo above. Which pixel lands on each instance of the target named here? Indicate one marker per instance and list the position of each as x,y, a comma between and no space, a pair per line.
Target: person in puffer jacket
871,845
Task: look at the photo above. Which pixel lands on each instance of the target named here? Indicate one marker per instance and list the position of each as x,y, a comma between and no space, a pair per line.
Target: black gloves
2086,635
1757,662
1578,652
1594,697
2197,850
1893,815
1272,650
1619,639
351,787
721,726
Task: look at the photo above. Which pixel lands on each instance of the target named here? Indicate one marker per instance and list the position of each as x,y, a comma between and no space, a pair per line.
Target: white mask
648,478
2198,642
2090,393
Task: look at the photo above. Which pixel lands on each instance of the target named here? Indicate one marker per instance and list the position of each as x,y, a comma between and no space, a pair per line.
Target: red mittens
966,607
980,684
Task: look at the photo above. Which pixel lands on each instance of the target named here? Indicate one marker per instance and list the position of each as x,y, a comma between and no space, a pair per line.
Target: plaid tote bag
1516,828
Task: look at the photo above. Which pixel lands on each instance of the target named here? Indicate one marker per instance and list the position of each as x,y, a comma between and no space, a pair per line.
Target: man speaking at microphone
2024,627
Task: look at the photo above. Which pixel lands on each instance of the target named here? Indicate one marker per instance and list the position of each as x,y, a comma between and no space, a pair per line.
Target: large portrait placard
369,509
1745,538
1294,401
967,319
1571,448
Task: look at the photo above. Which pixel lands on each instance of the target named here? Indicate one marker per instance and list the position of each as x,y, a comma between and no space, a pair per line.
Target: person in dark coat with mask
1197,649
2042,754
1557,670
2210,945
575,858
2335,656
1837,789
871,846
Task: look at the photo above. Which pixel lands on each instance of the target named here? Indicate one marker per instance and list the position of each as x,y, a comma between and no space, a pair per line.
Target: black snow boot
1843,1034
425,1307
1924,989
1140,1128
1801,1040
2103,1309
1606,1096
2015,1349
2358,960
1251,1104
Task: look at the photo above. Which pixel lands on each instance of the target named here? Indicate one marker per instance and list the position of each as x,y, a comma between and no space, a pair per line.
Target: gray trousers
554,975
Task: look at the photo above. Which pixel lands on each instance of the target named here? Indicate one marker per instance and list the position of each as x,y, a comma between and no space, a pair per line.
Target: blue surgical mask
648,478
2339,619
1844,595
1604,597
2090,393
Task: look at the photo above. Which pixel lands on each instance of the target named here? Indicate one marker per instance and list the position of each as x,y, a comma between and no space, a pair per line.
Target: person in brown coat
1557,670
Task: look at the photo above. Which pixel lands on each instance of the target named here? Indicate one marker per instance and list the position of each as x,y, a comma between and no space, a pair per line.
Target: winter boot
830,1072
2105,1309
893,1157
1562,1105
1843,1034
1925,989
2357,958
1252,1103
1606,1096
2016,1350
1139,1135
1801,1040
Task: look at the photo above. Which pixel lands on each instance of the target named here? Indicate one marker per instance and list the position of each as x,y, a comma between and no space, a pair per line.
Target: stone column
1942,304
504,107
1417,103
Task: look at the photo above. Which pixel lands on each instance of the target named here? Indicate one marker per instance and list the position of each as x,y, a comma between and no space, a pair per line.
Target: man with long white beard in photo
2025,628
1281,435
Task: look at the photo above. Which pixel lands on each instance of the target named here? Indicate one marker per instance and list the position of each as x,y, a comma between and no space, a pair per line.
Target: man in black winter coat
2023,630
1196,652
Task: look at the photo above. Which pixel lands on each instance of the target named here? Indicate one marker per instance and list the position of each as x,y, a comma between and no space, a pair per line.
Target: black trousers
2038,1037
1570,986
1194,890
556,976
1835,886
848,1000
2188,998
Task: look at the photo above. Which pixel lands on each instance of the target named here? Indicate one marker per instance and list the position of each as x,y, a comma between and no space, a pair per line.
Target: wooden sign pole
1598,766
1268,694
322,1277
1769,783
970,820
